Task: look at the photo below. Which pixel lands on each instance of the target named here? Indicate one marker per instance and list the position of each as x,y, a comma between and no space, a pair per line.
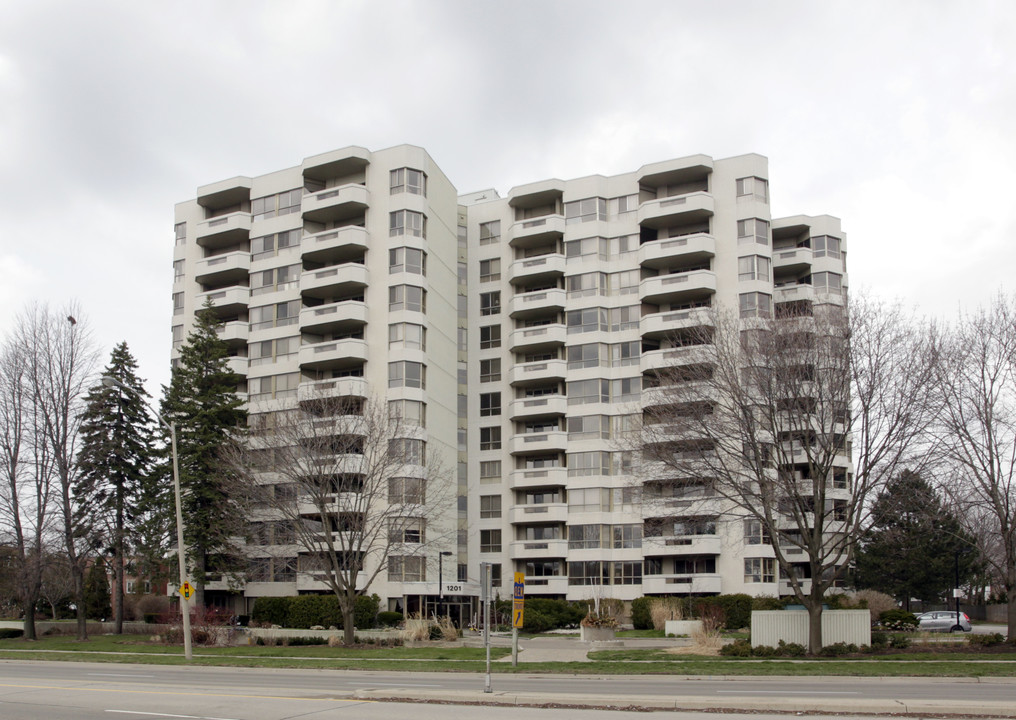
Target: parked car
943,621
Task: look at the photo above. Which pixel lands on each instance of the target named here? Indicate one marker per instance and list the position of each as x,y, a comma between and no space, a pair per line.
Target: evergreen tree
202,402
97,591
911,549
115,463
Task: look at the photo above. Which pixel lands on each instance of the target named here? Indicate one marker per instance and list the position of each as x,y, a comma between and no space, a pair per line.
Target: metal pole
515,647
957,593
181,553
440,582
485,593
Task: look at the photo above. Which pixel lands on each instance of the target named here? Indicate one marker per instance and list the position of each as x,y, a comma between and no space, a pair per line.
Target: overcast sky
897,117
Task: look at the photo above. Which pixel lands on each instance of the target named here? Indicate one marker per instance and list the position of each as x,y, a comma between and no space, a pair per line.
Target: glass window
407,222
490,541
587,210
408,335
405,373
177,270
490,370
411,260
754,267
275,279
490,303
753,187
586,284
407,297
759,570
586,320
407,568
825,245
490,337
490,438
755,534
490,469
178,303
755,305
177,336
490,232
753,230
490,506
589,427
406,491
588,463
490,404
585,356
490,270
624,318
408,180
827,282
270,206
586,537
627,536
621,205
594,390
408,412
180,229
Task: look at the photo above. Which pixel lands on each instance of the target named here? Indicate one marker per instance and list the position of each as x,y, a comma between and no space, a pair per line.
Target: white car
943,621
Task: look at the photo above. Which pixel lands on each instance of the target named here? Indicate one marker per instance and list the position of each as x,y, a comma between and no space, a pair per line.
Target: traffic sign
518,599
186,590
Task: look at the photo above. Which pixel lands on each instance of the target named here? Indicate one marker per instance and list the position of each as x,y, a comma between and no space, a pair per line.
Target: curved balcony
794,260
546,513
538,549
334,355
667,252
677,210
335,246
234,333
555,585
333,317
227,301
536,373
681,584
223,269
537,231
665,324
348,387
336,280
538,406
534,304
335,203
538,443
236,365
684,545
539,478
544,268
541,337
669,357
223,231
677,288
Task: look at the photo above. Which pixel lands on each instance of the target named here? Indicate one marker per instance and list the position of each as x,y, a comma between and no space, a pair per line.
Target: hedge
640,617
306,611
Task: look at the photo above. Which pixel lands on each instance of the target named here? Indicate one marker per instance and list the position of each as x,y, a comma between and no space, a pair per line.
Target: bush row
732,612
306,611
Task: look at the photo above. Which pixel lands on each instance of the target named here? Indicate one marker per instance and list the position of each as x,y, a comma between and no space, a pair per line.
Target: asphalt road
57,690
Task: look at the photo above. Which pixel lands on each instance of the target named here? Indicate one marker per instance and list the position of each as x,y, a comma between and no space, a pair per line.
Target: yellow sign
186,590
518,599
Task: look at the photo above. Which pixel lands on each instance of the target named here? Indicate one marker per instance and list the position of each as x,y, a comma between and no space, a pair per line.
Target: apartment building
526,328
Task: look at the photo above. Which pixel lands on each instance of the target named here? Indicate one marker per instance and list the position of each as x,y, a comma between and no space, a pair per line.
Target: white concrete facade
543,311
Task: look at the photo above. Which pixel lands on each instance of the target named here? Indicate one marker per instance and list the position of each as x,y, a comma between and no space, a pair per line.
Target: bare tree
787,425
349,486
978,431
57,581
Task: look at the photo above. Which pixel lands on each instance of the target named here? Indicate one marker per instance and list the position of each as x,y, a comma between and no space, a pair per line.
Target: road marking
76,688
152,714
398,684
119,675
786,692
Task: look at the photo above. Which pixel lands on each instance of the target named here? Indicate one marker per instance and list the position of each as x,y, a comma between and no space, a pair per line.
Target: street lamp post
440,579
181,554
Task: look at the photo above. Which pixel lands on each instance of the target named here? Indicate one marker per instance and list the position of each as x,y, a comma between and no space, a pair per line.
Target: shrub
364,612
767,602
792,649
736,610
738,648
663,609
535,621
270,610
897,619
9,633
389,618
710,611
763,651
986,640
434,632
899,641
879,639
307,641
641,619
837,649
877,602
305,611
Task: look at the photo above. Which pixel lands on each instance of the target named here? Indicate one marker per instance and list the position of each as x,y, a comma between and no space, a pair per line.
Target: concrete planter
596,634
681,627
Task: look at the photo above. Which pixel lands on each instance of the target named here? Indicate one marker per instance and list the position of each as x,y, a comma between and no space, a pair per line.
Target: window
266,245
407,222
406,491
753,187
408,451
627,536
411,260
178,303
588,463
624,283
825,245
177,270
490,270
628,573
585,537
407,297
490,337
490,232
595,390
490,469
177,336
539,462
490,370
827,282
278,315
180,229
759,570
580,211
756,305
490,506
621,205
490,404
407,568
490,303
624,318
490,541
275,205
755,534
591,572
407,180
273,386
490,438
543,568
406,373
585,356
624,354
408,412
589,427
586,320
282,278
586,284
753,230
754,267
267,352
409,335
407,530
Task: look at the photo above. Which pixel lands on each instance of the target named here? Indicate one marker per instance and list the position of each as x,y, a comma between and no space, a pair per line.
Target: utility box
768,627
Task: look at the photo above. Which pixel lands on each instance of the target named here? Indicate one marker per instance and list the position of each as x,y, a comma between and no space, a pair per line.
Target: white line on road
119,675
167,715
398,684
785,692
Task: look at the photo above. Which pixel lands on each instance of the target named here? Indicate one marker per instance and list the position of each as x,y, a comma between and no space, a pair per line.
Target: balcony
227,301
655,360
538,443
538,406
335,246
236,365
306,581
683,545
677,288
546,513
332,317
336,280
223,269
795,260
544,268
665,324
348,387
539,477
681,584
678,210
536,373
534,304
540,337
335,203
556,585
223,231
538,549
335,355
694,248
234,333
537,231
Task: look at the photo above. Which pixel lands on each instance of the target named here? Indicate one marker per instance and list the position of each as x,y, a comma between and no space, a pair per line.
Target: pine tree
914,543
202,402
115,463
97,591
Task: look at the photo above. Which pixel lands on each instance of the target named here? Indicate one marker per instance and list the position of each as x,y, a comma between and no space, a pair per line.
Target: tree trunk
118,563
30,633
348,629
814,606
1011,605
79,594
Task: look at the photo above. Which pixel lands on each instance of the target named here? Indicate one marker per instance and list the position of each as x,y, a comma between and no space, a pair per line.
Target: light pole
440,579
181,554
